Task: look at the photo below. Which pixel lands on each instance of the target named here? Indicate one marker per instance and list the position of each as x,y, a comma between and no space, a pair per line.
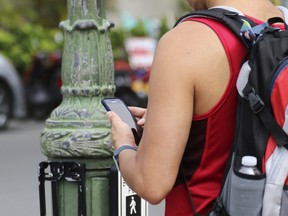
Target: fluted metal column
78,129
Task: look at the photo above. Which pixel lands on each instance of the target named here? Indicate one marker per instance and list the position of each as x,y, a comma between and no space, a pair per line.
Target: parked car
12,95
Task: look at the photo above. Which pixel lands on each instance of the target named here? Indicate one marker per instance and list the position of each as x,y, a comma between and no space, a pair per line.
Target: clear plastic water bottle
249,166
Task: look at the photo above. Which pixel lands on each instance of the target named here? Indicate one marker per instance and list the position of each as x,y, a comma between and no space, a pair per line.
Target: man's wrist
119,150
122,148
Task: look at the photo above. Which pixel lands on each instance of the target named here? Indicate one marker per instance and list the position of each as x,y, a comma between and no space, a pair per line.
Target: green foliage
276,2
184,6
139,30
20,43
30,26
24,31
118,37
163,27
50,13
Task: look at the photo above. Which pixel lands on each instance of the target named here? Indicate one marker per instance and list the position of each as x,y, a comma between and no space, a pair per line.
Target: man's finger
137,111
112,116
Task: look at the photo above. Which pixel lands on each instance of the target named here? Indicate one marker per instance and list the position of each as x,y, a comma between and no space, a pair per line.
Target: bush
24,30
20,43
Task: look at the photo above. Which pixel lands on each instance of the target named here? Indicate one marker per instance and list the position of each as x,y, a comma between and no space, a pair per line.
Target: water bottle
249,166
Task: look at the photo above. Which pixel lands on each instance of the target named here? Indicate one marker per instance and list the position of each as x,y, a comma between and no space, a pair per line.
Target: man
190,119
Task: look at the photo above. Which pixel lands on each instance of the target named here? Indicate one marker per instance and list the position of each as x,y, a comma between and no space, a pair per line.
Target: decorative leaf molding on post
78,127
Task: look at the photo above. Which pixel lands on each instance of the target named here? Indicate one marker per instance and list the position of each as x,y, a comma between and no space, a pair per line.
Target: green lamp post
78,130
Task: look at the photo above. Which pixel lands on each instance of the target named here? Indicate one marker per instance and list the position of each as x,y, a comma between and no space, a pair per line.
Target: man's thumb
112,116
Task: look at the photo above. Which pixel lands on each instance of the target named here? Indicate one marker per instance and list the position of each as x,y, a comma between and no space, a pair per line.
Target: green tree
28,27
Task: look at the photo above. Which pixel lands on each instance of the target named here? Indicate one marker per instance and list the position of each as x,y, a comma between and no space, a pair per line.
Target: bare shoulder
195,52
190,28
190,33
190,45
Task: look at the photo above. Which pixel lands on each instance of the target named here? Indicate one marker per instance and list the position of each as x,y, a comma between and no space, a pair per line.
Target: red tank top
210,139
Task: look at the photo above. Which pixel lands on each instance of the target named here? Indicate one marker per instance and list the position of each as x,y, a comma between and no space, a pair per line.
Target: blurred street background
31,44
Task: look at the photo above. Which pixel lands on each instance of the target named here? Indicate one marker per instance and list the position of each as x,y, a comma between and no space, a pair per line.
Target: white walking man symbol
132,206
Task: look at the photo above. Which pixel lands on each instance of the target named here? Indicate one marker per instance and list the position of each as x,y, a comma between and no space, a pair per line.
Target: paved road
19,158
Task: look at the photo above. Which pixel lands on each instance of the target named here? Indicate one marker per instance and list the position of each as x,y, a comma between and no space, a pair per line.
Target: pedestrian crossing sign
130,204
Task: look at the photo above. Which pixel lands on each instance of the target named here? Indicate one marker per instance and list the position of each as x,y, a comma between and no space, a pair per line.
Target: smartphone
118,106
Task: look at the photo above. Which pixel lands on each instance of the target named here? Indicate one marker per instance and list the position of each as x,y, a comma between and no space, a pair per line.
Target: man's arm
186,62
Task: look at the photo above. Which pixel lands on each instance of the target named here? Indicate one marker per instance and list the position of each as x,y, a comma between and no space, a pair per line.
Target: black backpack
260,122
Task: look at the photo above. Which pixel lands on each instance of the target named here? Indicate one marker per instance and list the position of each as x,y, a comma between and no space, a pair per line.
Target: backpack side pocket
243,193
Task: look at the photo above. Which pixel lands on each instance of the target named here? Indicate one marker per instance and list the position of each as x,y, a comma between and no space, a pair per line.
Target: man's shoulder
193,48
191,30
193,40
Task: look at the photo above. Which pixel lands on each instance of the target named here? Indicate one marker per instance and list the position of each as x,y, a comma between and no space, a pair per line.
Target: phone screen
118,106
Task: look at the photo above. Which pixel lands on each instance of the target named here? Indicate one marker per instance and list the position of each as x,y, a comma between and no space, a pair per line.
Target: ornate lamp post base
78,131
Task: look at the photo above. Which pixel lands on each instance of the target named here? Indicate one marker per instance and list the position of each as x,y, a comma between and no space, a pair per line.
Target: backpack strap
247,91
233,20
259,108
188,192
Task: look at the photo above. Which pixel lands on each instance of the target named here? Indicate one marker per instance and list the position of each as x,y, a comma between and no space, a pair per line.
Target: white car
12,94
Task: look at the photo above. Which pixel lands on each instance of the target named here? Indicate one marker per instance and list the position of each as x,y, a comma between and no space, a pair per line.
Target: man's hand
140,114
121,133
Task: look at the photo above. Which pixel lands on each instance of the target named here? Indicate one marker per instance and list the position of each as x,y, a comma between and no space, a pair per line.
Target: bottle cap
249,161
